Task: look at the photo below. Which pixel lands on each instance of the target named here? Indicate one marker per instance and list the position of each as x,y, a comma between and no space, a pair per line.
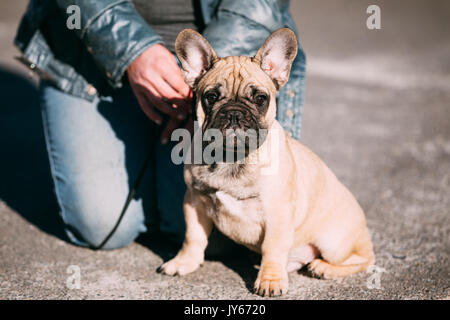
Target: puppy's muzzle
234,117
239,127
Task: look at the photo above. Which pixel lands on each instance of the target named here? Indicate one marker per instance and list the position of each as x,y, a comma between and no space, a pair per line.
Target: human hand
157,82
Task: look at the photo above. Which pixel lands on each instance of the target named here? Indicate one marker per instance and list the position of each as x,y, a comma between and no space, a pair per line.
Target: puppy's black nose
234,116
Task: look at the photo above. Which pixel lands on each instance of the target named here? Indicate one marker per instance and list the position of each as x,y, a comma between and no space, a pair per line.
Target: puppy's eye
261,99
211,97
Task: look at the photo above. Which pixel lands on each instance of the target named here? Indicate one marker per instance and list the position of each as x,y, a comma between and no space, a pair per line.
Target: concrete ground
377,110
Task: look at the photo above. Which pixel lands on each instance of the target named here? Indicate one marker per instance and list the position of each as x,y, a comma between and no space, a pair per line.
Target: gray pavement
377,110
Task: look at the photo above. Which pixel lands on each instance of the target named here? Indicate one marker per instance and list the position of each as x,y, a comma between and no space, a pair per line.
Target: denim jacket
92,60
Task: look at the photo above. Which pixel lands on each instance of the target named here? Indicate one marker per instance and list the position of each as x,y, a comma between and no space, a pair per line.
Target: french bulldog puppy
298,215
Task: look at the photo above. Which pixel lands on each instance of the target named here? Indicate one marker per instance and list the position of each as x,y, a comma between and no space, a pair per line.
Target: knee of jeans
90,219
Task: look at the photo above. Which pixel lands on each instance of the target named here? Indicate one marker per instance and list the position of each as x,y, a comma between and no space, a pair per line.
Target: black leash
131,194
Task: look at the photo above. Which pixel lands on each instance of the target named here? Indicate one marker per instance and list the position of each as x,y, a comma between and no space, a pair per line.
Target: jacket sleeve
240,27
113,32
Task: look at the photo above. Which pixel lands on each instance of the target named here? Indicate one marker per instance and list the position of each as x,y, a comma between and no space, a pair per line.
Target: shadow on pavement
25,181
221,249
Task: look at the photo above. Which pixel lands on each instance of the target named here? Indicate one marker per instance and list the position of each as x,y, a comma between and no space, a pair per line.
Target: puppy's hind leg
359,260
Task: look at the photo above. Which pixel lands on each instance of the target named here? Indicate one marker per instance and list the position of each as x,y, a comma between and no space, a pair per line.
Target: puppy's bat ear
195,54
277,54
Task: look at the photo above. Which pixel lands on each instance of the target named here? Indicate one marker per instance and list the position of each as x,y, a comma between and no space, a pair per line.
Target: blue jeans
96,151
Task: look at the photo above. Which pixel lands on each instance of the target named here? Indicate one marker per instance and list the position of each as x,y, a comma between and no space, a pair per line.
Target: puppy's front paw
271,283
180,265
